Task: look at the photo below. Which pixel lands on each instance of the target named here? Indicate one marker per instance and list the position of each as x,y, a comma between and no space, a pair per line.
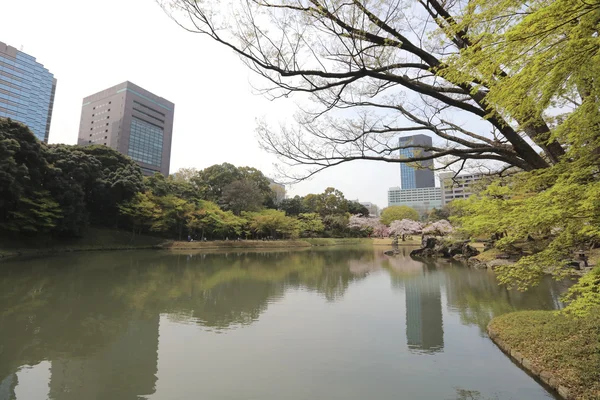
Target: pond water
343,323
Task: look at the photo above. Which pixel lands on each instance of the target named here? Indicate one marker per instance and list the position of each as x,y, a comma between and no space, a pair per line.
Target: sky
90,46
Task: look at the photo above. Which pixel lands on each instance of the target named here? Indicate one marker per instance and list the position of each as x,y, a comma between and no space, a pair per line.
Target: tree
120,180
293,206
212,180
437,214
272,222
142,211
71,176
355,207
173,214
360,225
310,224
22,167
242,195
405,227
397,213
438,228
400,72
336,225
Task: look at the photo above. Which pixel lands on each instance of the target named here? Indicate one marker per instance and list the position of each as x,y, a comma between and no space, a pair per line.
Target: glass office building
415,175
26,91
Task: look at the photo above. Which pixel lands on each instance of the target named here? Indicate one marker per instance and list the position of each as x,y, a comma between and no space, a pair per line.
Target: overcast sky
92,45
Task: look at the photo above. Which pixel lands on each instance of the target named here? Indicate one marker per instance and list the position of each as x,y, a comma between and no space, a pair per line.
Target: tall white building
422,199
460,187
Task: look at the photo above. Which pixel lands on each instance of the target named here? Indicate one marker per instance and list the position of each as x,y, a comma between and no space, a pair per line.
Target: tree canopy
428,67
398,213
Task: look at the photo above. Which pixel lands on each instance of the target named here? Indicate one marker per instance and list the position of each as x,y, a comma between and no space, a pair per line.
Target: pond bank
98,239
561,351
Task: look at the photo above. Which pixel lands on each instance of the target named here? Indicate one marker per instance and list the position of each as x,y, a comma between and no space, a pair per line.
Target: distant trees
60,189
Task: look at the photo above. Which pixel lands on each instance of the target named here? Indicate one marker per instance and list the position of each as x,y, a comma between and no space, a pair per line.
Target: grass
567,347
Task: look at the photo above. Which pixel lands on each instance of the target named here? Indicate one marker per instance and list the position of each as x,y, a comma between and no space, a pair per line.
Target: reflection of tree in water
477,297
91,313
463,394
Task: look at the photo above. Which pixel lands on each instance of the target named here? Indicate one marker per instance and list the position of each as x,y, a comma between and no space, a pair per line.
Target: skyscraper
132,121
26,91
420,175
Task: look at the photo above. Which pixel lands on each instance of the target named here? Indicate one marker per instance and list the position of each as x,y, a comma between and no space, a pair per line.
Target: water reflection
97,317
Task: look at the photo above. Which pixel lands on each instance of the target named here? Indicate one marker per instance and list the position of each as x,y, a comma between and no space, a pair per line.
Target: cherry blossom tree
438,228
379,229
405,227
368,225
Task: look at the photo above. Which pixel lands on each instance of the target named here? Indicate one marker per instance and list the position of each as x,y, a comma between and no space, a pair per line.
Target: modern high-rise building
420,174
423,200
132,121
26,91
459,187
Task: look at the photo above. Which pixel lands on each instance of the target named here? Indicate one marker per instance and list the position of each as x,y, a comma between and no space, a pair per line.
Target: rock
423,253
432,247
503,256
496,263
476,263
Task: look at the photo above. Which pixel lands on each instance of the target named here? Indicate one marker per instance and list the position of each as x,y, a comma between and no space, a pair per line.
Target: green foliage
62,189
142,211
438,214
398,213
37,213
310,225
558,206
355,208
584,296
242,195
293,206
273,223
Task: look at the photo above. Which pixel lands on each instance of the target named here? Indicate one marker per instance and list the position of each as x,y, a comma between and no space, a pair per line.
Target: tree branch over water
373,71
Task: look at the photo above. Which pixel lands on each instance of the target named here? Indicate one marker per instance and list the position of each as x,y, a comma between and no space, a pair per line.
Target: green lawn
567,347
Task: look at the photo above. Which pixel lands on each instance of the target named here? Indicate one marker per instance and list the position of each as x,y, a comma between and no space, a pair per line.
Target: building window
145,142
105,137
108,117
106,130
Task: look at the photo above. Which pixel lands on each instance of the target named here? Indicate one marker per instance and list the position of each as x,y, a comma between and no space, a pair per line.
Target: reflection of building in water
424,329
124,369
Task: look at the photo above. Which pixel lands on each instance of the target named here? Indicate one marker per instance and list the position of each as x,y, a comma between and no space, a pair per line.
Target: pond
342,323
